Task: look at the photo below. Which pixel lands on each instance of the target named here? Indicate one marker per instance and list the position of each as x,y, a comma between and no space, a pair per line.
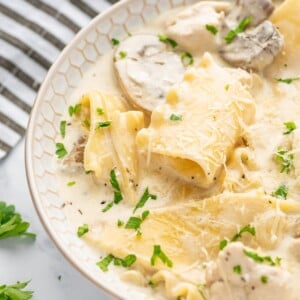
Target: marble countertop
39,260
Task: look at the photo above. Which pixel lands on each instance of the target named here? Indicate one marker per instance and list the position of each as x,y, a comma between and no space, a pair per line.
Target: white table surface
39,260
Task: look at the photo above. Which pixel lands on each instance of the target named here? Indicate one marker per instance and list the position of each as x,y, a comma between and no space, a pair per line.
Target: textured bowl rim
28,147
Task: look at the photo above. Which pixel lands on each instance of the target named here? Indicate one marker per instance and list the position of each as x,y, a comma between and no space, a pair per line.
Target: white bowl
51,104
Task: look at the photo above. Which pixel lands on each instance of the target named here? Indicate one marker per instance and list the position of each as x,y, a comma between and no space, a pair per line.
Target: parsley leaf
288,80
264,279
15,292
158,253
212,29
174,117
290,126
262,259
285,158
135,222
223,244
187,58
248,229
103,124
231,35
87,123
166,40
82,230
115,42
105,262
62,128
71,183
100,111
60,150
145,197
73,110
11,223
281,192
120,223
237,269
122,54
128,261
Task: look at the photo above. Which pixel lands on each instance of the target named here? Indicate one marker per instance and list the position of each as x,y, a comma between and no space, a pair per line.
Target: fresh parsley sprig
15,291
232,34
11,223
158,253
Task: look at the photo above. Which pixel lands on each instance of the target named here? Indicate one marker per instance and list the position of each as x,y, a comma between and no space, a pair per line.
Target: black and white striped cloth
32,34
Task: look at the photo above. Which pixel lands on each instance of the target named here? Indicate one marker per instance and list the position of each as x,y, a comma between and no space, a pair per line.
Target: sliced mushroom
146,70
188,27
259,44
254,49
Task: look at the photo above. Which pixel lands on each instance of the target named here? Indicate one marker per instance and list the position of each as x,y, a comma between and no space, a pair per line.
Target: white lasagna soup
179,159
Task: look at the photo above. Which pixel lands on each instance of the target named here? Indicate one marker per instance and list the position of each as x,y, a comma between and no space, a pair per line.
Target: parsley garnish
285,158
187,58
135,222
223,244
103,124
231,35
287,80
174,117
128,261
87,123
262,259
227,86
82,230
281,192
152,283
15,292
74,109
100,111
290,126
248,229
71,183
264,279
115,42
11,223
212,29
122,54
62,128
120,223
60,150
158,253
237,269
145,197
167,40
117,191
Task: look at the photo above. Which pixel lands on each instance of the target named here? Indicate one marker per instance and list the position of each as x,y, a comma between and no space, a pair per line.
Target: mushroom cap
147,71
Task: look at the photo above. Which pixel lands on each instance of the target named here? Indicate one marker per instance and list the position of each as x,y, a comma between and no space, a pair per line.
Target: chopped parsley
174,117
73,110
152,283
212,29
115,42
117,191
286,158
15,292
223,244
11,223
62,128
87,123
290,126
100,111
145,197
166,40
158,253
128,261
288,80
262,259
237,269
187,58
135,222
122,54
103,124
82,230
120,223
60,150
232,34
264,279
71,183
227,86
248,229
281,192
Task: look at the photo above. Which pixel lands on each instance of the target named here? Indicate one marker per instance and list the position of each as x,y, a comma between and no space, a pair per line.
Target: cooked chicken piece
236,276
259,44
146,70
188,28
75,159
254,49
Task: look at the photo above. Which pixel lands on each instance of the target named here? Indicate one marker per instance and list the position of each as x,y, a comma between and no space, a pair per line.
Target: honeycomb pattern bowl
51,104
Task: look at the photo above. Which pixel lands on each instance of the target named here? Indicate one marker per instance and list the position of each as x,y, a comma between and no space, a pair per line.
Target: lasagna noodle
214,104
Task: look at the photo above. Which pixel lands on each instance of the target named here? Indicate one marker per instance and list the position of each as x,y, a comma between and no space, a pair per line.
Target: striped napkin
32,34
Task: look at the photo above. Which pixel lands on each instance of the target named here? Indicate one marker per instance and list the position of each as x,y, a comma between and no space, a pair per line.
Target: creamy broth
249,168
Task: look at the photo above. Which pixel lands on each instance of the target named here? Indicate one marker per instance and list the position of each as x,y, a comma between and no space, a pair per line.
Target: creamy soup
179,157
